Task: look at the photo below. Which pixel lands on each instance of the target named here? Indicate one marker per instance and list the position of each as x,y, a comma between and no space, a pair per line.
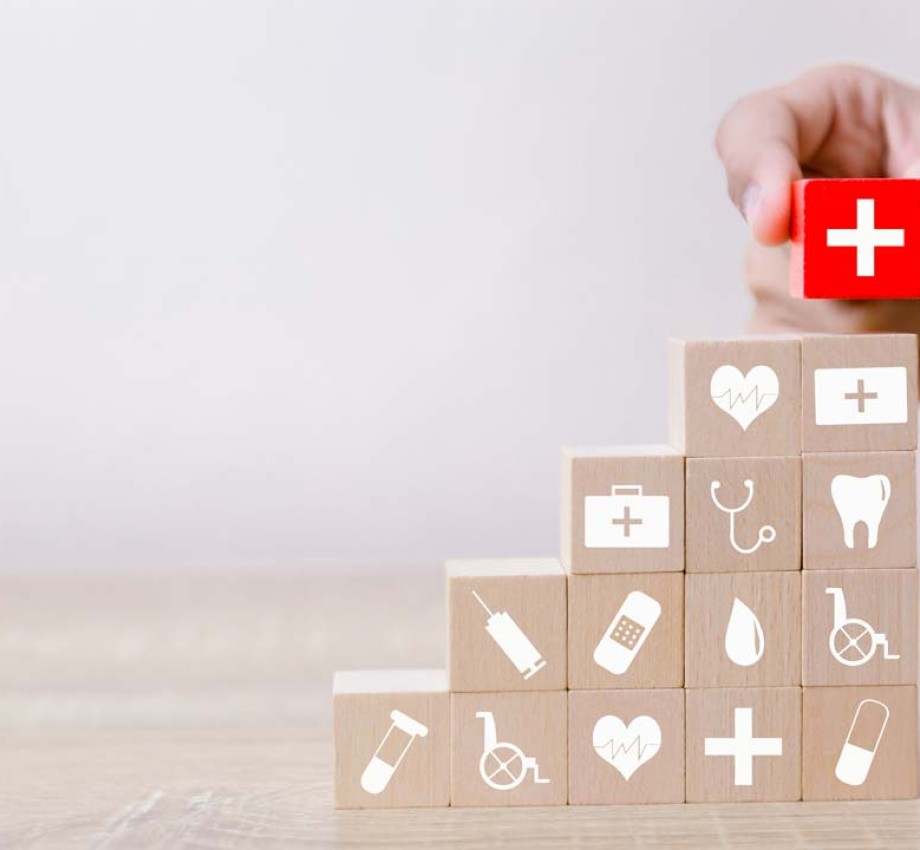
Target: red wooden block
855,238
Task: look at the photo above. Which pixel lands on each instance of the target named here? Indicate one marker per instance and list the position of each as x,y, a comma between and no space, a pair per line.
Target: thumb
757,142
766,201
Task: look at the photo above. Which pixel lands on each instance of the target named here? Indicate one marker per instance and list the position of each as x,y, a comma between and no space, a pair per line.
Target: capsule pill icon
391,751
861,744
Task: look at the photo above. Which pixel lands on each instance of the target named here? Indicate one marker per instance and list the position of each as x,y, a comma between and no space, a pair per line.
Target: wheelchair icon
853,641
503,766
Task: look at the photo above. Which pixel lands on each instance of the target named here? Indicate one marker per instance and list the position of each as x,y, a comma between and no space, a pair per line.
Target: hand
837,121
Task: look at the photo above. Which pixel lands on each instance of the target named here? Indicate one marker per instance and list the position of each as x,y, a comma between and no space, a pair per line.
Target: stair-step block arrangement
733,617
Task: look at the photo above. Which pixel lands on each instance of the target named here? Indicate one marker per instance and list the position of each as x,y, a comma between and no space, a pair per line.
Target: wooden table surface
194,711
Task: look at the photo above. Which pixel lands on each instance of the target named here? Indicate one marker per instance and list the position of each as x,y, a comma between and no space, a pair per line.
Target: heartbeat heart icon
744,397
627,748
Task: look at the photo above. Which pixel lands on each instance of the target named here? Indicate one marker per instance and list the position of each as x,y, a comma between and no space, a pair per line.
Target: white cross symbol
865,238
744,746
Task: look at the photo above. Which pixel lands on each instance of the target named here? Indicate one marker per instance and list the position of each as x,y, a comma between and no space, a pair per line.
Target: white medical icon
386,759
861,396
865,238
744,641
767,533
743,747
512,641
853,642
503,766
860,500
627,632
626,748
626,519
744,397
858,751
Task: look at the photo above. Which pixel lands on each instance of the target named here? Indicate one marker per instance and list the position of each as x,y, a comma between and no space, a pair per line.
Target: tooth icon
860,500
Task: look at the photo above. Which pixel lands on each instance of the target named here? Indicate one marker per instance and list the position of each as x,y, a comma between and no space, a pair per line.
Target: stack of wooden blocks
733,617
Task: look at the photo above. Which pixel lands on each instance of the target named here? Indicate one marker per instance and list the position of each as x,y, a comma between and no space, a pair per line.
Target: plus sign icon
742,747
875,395
855,238
627,519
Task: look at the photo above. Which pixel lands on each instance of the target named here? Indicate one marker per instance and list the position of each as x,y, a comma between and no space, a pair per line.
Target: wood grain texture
593,603
824,544
532,592
193,710
886,601
836,351
593,780
363,726
700,428
775,600
828,723
774,501
527,726
592,473
776,713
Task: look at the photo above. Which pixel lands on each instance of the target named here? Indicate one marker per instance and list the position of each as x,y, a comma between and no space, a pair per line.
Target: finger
901,116
759,147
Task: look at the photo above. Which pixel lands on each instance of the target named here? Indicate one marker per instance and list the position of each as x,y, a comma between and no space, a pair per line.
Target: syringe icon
512,641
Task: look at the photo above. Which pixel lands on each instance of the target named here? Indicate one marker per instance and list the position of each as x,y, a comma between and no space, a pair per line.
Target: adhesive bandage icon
389,753
862,741
627,632
512,641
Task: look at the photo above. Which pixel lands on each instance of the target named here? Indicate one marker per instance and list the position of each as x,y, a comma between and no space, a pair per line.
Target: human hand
836,121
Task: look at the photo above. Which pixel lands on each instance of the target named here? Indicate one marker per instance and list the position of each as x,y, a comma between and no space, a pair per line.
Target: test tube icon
379,770
512,641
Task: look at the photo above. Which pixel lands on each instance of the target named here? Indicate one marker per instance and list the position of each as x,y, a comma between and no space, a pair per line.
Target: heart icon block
744,397
627,748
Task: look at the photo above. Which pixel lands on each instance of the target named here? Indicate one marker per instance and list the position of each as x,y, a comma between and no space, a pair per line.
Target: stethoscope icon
767,533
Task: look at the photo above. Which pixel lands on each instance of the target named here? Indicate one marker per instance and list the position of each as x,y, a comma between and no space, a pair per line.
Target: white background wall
290,281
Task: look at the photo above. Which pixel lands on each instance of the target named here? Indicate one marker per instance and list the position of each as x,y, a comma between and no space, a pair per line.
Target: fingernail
913,172
750,200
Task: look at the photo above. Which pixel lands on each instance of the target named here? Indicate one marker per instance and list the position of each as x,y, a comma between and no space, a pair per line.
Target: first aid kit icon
626,519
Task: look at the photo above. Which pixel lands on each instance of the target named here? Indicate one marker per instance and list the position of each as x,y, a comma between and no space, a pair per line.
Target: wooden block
859,392
626,746
855,238
509,749
743,630
392,738
622,509
744,744
744,514
860,510
859,627
736,398
626,631
859,743
513,636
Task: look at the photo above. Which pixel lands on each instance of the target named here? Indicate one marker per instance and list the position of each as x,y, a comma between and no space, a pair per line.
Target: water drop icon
744,636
